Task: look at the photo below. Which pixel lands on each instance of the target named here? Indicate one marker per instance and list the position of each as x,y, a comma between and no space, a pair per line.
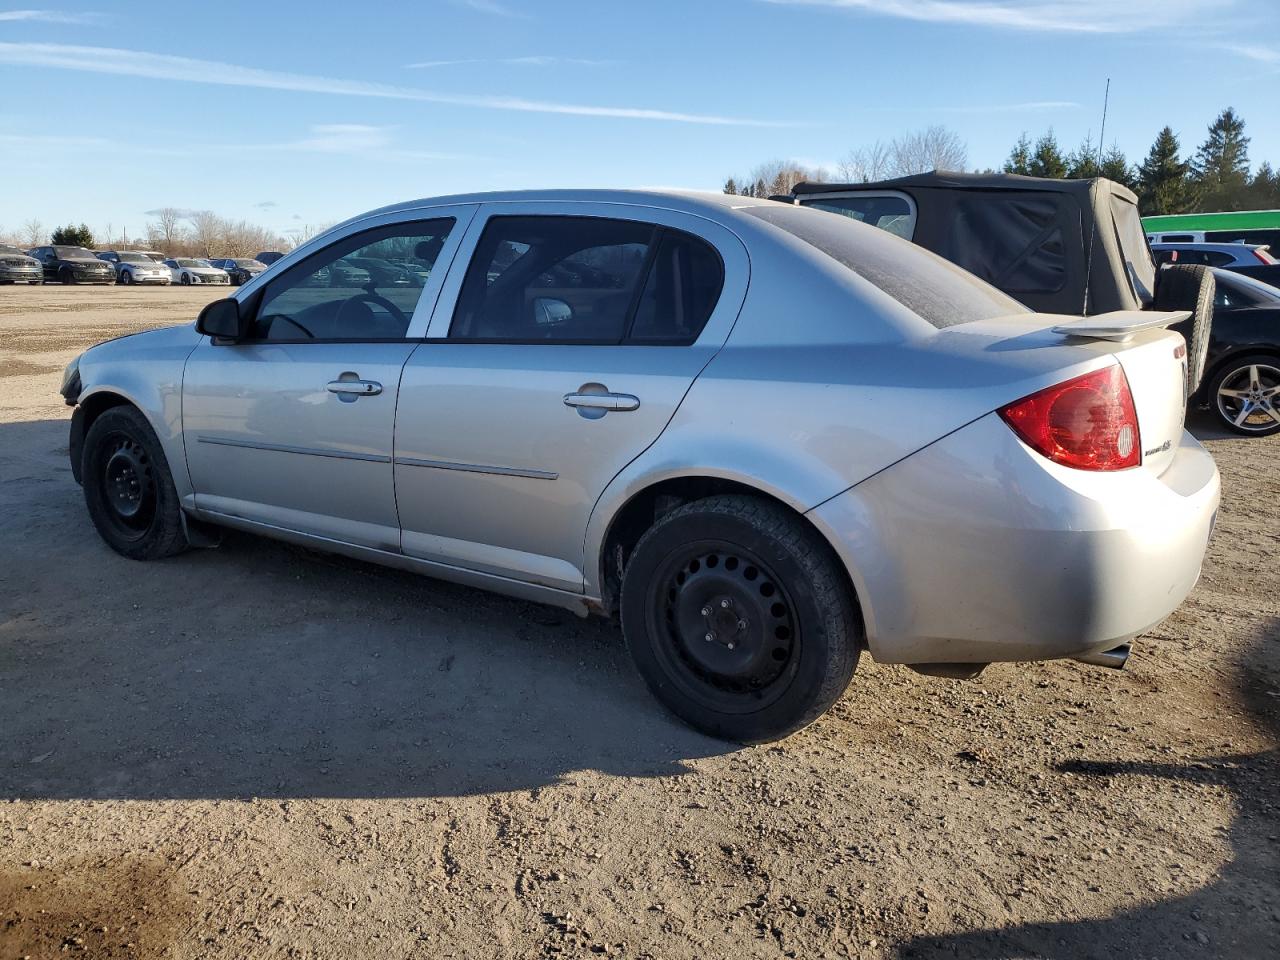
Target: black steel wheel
740,618
128,488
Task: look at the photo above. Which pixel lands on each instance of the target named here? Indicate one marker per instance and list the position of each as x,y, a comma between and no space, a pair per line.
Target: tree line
1217,176
174,232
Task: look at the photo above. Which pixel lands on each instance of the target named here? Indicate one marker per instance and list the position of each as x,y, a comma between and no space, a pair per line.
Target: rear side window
935,290
1013,242
586,280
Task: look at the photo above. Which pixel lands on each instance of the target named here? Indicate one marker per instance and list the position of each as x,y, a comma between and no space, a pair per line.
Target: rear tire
1188,286
128,488
739,618
1238,391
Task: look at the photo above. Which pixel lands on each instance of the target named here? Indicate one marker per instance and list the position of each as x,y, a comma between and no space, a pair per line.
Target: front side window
364,287
887,211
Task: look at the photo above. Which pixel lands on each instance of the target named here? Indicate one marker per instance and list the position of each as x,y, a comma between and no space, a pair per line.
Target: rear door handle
354,388
620,402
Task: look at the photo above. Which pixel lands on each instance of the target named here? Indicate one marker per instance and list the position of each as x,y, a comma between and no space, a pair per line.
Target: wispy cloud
513,62
1053,16
1268,55
158,66
266,205
494,7
47,16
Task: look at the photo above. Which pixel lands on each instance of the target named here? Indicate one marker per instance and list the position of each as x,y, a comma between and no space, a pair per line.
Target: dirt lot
260,752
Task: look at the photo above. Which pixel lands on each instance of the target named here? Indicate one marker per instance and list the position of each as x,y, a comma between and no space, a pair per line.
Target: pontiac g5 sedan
767,438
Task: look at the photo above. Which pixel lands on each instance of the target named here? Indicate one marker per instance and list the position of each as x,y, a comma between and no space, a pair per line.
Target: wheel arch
641,508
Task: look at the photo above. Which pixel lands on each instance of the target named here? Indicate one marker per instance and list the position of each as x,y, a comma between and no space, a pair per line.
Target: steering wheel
371,298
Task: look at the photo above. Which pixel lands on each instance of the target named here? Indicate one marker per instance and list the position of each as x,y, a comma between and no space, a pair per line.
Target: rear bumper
976,549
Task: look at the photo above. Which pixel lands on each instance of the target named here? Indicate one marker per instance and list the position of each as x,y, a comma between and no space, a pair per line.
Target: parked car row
58,263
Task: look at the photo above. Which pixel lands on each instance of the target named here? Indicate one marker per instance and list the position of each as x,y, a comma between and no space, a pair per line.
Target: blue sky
289,113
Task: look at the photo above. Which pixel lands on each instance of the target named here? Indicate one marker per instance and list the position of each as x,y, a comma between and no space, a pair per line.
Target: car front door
293,426
565,339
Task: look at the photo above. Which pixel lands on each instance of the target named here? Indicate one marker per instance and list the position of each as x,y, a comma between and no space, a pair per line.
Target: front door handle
619,402
351,389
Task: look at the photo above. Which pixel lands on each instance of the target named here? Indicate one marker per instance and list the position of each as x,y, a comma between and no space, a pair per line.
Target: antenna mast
1102,135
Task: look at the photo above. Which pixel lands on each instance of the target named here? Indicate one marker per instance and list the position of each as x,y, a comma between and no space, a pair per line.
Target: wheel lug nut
730,645
706,611
725,604
710,637
742,624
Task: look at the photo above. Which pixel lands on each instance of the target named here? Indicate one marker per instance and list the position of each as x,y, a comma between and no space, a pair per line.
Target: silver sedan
766,438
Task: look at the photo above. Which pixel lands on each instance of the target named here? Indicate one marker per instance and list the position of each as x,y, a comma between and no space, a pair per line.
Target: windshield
135,258
193,263
74,253
250,264
890,212
934,289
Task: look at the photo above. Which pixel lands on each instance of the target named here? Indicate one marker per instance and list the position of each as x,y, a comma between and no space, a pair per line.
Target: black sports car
1242,374
240,269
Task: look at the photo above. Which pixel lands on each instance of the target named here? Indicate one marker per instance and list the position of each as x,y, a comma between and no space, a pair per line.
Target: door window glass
681,291
560,279
365,287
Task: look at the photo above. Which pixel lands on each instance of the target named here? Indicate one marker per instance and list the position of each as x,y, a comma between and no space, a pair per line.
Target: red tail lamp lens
1088,423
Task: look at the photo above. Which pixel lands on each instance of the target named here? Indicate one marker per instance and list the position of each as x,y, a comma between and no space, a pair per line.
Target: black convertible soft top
1059,246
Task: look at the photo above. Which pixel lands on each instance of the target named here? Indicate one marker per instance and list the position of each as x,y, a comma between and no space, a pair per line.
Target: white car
189,270
134,267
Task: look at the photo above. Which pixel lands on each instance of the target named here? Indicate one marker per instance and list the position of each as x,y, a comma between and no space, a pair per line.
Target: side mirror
223,321
550,312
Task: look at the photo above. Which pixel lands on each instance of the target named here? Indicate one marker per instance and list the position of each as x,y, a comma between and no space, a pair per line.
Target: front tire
126,277
739,618
128,488
66,276
1245,395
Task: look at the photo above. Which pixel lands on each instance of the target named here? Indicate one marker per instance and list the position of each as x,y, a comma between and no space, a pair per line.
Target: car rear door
293,426
565,339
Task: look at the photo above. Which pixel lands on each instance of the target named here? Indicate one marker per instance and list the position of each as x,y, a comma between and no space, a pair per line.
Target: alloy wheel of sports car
738,618
1246,395
186,278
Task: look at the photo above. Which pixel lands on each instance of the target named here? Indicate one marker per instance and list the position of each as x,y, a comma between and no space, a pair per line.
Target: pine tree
1164,184
1264,191
731,186
1047,159
1082,163
1019,157
1115,166
73,236
1221,165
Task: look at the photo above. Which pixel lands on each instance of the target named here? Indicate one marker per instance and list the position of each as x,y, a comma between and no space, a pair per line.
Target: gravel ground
259,751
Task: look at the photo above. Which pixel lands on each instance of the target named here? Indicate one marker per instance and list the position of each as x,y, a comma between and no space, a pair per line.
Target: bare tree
866,164
165,231
780,176
34,233
207,231
934,148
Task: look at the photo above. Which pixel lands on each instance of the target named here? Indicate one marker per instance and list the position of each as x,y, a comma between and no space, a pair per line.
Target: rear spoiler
1121,325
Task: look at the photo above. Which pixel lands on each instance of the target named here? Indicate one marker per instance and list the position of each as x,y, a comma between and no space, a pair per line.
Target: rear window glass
935,290
1013,242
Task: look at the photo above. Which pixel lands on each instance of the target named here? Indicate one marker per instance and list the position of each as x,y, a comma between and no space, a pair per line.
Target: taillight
1088,422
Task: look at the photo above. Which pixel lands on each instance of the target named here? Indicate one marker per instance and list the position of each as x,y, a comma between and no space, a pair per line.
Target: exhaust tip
1114,659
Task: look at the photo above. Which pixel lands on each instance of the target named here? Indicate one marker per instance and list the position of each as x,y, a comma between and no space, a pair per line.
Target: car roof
946,180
